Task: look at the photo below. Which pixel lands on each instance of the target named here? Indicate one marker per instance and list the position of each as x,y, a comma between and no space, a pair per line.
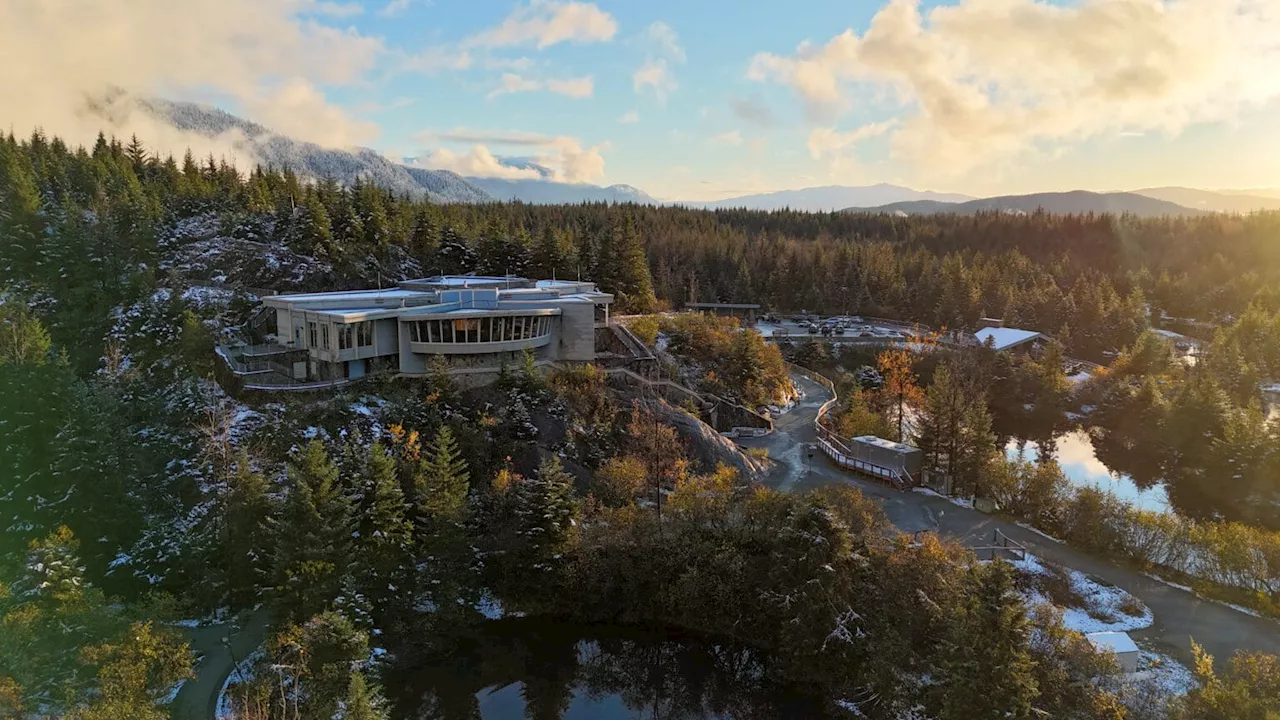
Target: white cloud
984,81
477,161
570,87
631,117
826,141
544,23
732,138
568,160
665,41
513,83
654,75
262,54
394,8
335,9
434,59
299,110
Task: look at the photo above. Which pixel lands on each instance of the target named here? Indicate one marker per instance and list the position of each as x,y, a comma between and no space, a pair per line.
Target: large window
355,335
480,330
324,336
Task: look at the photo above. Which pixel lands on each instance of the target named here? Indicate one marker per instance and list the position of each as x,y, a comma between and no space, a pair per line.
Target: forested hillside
380,526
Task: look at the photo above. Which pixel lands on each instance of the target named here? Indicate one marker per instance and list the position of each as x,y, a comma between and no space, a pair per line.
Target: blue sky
706,99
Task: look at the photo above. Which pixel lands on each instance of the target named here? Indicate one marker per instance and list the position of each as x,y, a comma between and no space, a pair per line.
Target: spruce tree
313,550
248,510
987,669
454,255
386,535
630,274
362,702
442,496
546,509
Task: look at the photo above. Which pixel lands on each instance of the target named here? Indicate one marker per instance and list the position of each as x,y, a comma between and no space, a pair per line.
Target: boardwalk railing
837,449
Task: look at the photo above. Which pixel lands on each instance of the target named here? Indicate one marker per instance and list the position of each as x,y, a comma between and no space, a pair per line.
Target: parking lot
840,327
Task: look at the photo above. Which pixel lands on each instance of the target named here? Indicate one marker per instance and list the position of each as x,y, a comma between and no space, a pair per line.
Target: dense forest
378,525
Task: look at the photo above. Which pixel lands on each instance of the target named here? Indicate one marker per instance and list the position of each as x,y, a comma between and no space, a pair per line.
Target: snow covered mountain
830,197
310,160
1063,203
546,192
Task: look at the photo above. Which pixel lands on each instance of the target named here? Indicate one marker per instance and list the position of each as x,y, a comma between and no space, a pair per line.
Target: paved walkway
198,698
1179,615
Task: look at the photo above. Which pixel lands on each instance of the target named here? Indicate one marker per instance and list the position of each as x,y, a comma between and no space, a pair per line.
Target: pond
520,668
1083,468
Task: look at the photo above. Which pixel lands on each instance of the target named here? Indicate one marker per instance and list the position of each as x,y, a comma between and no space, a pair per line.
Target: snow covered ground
962,502
1100,607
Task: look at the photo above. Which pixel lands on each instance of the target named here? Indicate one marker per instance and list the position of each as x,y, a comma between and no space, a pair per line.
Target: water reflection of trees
655,675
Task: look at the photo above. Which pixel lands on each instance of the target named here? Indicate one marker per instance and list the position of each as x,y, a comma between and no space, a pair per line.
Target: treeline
83,225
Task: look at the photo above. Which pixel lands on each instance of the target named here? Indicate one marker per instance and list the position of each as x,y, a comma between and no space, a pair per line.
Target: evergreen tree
629,277
454,256
362,701
546,510
386,535
248,510
955,431
987,668
442,497
313,550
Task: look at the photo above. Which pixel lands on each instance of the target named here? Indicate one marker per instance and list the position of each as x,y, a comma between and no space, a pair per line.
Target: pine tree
386,535
454,255
248,510
135,673
628,274
987,668
442,497
362,702
137,154
314,534
546,510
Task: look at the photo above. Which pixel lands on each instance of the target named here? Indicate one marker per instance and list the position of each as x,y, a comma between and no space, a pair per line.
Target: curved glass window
480,330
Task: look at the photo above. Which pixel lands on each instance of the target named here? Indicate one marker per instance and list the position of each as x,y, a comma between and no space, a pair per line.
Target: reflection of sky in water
1082,467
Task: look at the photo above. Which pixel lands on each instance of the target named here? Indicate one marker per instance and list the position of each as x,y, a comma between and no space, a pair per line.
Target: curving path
198,697
1179,615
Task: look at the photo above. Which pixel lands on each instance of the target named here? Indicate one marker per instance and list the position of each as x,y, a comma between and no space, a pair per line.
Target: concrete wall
576,336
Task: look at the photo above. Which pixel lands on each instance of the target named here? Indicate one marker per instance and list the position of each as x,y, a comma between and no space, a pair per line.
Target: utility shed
887,454
1003,338
1121,644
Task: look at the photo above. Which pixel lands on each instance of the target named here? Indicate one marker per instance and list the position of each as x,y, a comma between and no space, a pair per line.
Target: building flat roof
353,295
1116,642
887,444
1005,338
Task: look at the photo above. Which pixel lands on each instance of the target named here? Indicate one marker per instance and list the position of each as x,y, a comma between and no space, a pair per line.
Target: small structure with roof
1126,651
746,311
1003,338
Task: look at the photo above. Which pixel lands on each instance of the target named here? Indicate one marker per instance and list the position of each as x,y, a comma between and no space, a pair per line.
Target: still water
1081,465
524,668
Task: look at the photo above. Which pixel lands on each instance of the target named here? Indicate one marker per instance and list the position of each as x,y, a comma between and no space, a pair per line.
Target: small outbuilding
887,454
745,311
1126,651
1003,338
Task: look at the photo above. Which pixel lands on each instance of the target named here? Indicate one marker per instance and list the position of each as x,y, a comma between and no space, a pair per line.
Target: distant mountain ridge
546,192
1215,201
313,161
830,198
1075,202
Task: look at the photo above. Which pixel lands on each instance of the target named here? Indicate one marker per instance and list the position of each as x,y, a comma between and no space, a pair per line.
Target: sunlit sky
707,99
